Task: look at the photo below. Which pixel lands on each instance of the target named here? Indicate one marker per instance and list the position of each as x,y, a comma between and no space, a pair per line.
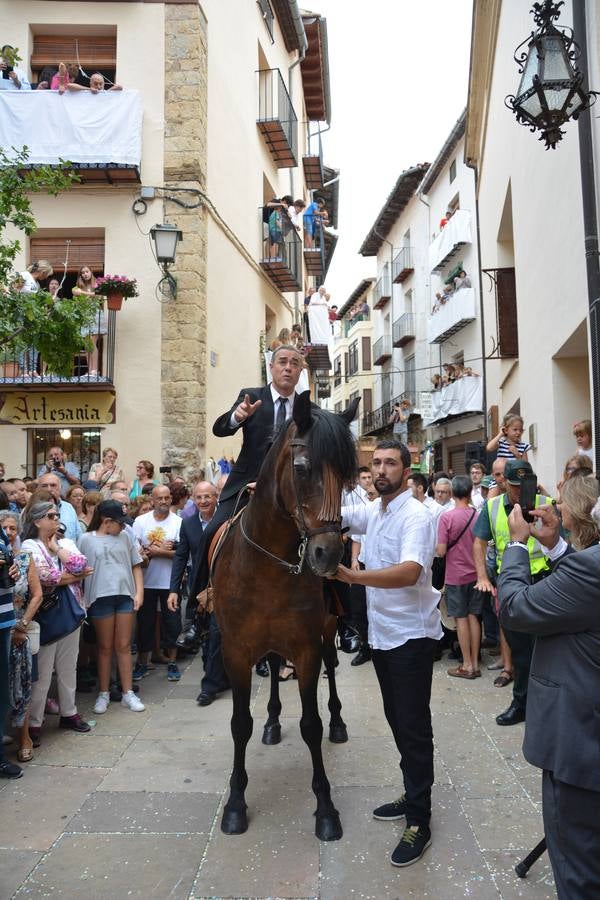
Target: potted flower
115,288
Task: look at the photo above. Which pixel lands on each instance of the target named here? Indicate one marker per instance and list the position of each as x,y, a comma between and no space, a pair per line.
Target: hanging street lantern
551,89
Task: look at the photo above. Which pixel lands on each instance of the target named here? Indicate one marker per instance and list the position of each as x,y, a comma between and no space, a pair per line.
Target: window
68,247
454,204
506,304
452,170
353,396
353,358
80,446
366,354
92,52
367,401
338,407
408,301
410,379
337,371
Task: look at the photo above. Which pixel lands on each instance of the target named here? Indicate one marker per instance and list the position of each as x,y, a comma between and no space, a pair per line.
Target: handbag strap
455,542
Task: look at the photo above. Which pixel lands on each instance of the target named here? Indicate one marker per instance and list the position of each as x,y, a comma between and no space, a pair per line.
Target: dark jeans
215,677
4,657
573,837
358,610
146,618
521,647
404,675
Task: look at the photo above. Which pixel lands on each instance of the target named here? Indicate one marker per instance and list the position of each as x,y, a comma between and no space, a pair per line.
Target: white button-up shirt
402,532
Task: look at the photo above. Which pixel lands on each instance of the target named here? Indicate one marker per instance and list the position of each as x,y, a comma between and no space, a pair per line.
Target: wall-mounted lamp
166,239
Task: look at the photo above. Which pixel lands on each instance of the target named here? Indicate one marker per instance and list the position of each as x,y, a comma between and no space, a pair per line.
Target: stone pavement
133,808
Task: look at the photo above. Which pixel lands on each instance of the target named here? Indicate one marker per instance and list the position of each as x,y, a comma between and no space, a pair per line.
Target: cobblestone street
133,809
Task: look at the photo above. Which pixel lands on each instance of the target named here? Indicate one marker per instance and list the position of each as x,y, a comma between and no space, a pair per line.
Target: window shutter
508,336
366,353
346,365
98,51
82,251
367,401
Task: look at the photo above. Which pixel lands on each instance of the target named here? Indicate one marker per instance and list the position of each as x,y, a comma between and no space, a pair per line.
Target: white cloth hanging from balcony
465,395
318,322
455,233
81,127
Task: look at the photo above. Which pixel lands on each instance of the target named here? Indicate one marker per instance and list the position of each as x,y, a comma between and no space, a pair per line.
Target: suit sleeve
222,426
180,560
566,602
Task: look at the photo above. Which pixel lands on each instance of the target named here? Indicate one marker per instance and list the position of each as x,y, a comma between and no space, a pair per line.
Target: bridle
298,516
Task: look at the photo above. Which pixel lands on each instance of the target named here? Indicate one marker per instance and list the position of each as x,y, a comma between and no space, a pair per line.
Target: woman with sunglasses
58,562
113,594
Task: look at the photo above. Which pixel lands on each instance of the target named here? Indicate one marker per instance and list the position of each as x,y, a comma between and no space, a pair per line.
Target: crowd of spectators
459,282
98,553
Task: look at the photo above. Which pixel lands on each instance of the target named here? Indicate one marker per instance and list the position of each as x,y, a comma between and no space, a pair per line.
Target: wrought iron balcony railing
382,349
403,330
277,119
281,256
402,265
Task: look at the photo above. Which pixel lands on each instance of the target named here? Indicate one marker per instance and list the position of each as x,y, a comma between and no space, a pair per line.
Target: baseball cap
112,509
487,481
516,469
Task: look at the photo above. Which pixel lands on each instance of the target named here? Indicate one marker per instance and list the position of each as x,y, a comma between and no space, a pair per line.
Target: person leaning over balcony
97,85
462,280
311,218
295,213
15,78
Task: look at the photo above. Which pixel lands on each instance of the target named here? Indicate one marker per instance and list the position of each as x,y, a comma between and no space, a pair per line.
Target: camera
165,470
6,581
61,530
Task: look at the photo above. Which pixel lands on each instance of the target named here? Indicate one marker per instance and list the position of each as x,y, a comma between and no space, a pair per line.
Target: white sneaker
102,702
132,702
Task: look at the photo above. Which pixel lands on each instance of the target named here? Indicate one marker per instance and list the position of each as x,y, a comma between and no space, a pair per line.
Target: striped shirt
504,451
7,608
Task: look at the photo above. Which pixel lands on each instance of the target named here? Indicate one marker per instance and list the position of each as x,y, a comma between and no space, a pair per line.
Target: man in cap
492,525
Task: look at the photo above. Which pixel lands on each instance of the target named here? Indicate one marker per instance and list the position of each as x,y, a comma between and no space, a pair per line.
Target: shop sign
57,408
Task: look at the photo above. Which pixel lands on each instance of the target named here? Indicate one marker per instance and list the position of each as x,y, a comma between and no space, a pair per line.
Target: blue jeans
4,656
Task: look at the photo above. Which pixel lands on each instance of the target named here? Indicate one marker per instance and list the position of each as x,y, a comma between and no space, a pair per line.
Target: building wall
530,210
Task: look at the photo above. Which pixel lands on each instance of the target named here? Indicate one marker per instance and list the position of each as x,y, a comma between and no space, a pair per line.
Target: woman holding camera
58,562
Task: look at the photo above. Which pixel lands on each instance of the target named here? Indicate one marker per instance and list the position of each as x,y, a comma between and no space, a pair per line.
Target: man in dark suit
562,730
259,413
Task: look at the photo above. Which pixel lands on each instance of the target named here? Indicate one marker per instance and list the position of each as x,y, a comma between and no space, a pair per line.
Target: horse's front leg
235,819
272,729
328,826
338,733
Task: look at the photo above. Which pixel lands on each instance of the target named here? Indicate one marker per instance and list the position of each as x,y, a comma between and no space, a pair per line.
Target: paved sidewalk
132,810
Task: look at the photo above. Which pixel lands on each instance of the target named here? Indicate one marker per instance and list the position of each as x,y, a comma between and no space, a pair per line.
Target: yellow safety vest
501,532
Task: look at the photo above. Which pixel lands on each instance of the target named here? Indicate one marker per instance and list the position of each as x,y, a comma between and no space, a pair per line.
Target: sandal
25,754
291,674
503,678
459,672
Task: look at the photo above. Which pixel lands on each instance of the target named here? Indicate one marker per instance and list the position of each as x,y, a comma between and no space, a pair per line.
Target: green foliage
54,327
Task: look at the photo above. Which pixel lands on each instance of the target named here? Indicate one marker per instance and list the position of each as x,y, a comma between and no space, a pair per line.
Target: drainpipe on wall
486,438
590,224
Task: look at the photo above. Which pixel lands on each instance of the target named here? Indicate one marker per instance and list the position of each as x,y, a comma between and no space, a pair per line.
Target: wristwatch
517,544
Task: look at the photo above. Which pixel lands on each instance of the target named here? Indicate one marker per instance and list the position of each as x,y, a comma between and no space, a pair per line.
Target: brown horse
268,588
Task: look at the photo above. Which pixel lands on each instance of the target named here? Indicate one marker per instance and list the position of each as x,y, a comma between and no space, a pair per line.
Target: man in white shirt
404,627
13,79
476,473
158,533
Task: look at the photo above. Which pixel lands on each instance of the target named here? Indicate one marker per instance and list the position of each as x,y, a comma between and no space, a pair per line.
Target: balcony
314,257
463,397
402,265
277,120
101,136
281,251
91,368
453,315
382,350
312,163
403,330
447,244
382,292
348,324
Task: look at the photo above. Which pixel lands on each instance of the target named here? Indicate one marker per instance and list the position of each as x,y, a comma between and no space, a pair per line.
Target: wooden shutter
366,353
346,365
83,251
508,335
367,400
93,52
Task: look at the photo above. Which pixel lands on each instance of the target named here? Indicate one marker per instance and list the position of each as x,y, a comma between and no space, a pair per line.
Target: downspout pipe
590,223
473,165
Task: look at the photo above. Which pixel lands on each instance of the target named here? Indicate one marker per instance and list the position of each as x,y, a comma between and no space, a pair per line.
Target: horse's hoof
234,821
338,734
272,735
329,828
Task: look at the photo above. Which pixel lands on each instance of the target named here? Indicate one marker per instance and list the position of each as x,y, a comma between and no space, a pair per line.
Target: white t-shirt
147,528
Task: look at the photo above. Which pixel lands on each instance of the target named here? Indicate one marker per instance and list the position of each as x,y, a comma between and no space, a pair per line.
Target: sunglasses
52,516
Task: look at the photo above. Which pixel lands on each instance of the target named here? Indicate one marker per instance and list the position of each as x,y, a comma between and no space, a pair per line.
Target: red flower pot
114,299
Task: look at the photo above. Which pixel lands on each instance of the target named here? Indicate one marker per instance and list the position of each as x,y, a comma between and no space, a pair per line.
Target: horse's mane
331,446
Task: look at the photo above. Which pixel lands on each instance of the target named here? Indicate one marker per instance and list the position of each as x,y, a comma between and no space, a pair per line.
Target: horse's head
317,459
